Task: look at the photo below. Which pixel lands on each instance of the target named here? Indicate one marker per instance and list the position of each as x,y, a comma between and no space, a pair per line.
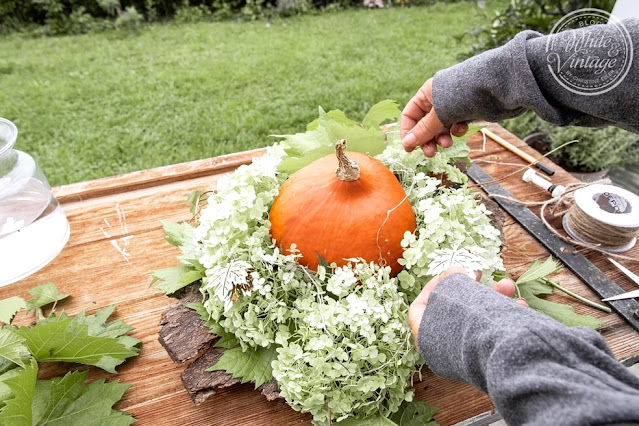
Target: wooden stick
512,148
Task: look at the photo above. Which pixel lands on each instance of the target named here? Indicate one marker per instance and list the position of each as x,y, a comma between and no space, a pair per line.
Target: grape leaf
368,421
254,365
5,390
536,287
17,410
10,307
12,347
371,141
176,233
66,400
175,277
562,313
226,340
43,295
98,327
64,340
318,141
460,148
335,115
386,110
415,413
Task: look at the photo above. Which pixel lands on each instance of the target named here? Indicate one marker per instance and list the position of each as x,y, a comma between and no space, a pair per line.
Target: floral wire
389,212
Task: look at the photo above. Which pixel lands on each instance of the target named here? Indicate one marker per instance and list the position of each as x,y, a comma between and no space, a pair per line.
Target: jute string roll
596,232
562,204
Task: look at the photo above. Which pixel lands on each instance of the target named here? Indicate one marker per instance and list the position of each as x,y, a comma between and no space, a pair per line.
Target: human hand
416,310
421,126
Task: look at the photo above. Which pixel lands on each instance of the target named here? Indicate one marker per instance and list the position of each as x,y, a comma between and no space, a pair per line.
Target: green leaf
17,410
12,347
195,200
368,421
43,295
10,307
539,270
226,340
460,148
335,115
99,327
251,366
381,112
67,401
65,340
322,261
562,313
203,313
536,287
415,413
370,141
175,277
317,142
5,390
176,233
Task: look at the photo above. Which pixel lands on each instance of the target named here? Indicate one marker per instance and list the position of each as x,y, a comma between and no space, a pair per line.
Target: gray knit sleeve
536,370
505,82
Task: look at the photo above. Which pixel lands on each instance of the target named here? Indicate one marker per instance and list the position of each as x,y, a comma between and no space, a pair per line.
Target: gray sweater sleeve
505,82
536,370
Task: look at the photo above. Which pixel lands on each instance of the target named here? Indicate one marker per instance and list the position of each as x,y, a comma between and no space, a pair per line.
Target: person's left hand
416,310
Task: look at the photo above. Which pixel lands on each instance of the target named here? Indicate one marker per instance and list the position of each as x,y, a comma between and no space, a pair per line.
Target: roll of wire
605,216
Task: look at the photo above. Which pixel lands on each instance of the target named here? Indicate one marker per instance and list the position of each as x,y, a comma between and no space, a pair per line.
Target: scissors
629,274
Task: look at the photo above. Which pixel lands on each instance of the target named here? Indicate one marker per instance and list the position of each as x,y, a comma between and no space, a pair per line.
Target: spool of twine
605,216
596,232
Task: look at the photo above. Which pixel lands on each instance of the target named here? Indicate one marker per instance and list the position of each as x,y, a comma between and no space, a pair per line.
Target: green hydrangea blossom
342,338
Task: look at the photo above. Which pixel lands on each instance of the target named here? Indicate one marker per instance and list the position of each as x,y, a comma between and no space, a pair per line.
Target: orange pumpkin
339,207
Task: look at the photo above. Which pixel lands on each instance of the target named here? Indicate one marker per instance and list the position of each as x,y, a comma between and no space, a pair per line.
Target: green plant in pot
593,150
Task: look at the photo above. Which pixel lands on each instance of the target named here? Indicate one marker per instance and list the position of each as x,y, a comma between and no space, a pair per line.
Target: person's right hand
422,128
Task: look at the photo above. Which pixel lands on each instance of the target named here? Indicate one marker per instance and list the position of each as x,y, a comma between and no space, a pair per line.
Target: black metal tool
599,282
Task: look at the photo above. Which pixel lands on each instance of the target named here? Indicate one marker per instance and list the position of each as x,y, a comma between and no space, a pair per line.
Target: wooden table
117,240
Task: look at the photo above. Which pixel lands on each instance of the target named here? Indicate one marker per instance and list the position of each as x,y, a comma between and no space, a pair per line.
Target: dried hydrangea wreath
336,339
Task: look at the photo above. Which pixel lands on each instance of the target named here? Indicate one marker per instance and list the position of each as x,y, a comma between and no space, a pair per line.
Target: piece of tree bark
270,390
183,333
201,384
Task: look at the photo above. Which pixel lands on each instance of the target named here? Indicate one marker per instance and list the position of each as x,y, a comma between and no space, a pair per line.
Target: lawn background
102,104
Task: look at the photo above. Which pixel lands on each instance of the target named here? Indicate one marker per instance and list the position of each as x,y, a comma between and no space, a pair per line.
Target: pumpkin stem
347,170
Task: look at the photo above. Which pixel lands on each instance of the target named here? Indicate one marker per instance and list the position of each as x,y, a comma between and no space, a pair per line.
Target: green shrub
129,20
520,15
190,14
293,7
595,149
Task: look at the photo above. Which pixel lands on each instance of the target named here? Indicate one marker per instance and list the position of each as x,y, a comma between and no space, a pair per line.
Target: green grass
103,104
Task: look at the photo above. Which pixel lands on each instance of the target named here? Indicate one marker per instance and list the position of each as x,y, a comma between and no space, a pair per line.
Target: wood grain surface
117,240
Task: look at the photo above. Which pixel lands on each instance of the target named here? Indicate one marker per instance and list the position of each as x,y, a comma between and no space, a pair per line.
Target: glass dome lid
8,135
